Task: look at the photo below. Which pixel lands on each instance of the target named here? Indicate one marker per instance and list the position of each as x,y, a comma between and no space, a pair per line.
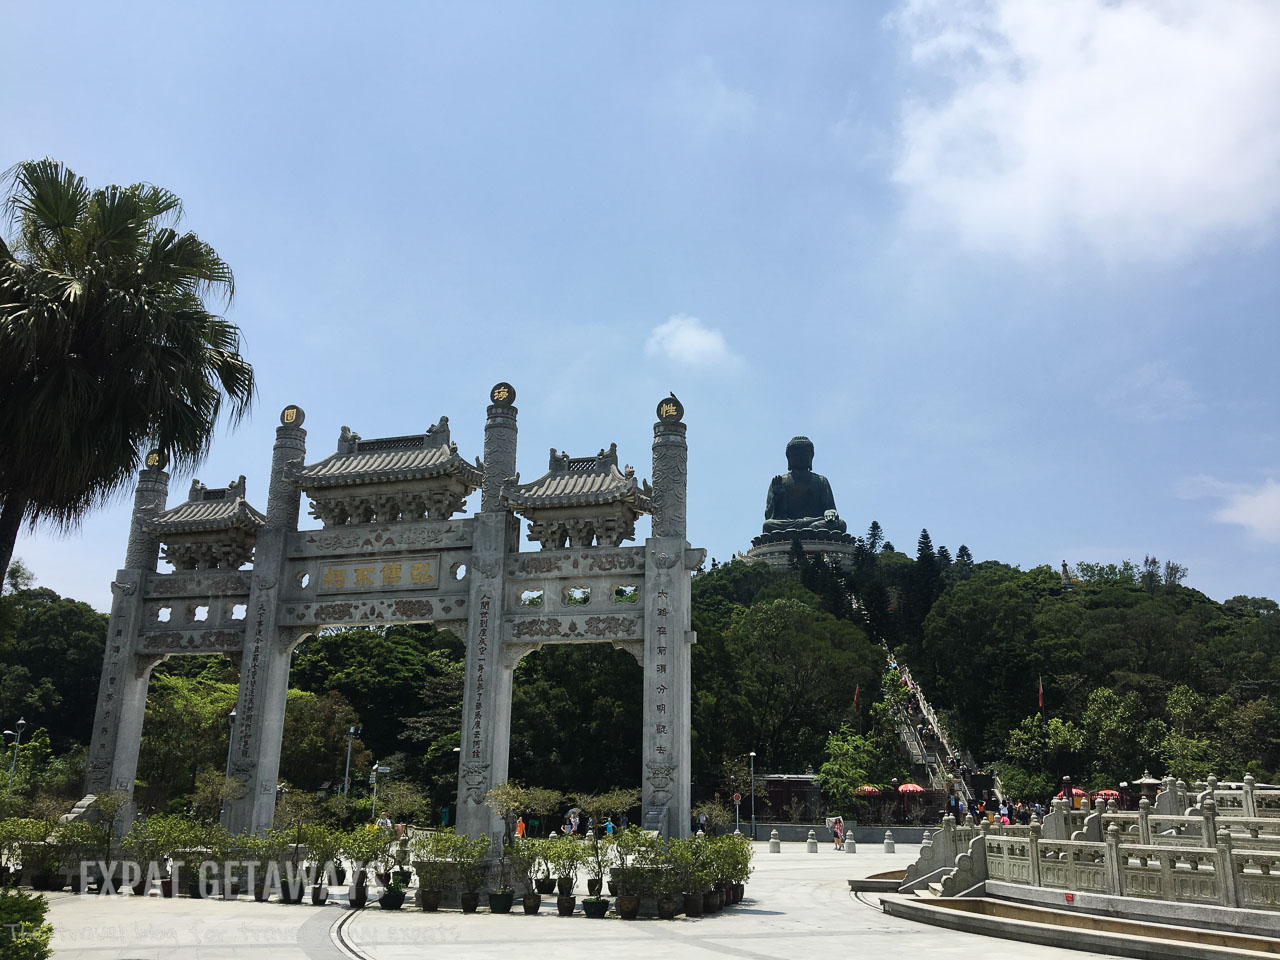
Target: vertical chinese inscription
661,736
482,651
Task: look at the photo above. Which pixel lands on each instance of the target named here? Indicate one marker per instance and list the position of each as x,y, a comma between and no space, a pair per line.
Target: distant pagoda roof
415,457
579,482
208,510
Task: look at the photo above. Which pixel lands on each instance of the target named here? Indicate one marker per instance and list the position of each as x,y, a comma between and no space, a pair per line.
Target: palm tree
107,346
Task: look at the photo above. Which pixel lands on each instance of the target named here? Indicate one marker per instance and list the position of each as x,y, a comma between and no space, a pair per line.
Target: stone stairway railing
927,711
1216,860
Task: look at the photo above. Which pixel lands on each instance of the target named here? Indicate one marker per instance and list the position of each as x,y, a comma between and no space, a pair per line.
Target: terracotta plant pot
469,901
500,901
565,886
666,908
628,907
391,899
429,900
531,902
357,896
709,902
593,886
693,905
545,885
565,905
739,891
595,907
260,892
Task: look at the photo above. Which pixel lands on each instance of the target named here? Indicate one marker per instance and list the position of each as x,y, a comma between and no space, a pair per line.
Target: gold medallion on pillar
503,394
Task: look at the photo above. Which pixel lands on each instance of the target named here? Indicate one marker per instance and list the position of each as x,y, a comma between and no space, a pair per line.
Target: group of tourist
996,810
573,826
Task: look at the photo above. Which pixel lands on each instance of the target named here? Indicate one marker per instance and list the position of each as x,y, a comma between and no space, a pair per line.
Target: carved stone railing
938,854
1220,873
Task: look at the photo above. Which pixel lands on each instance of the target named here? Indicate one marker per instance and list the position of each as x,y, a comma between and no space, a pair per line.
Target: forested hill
1138,670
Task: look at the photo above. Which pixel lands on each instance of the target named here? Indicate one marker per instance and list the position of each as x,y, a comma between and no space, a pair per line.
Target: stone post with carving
486,703
264,666
665,788
122,688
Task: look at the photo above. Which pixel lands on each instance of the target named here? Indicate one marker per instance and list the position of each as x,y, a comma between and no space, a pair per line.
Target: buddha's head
800,454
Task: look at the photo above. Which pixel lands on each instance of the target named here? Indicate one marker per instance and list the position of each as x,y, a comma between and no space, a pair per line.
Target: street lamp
373,778
352,732
13,764
752,755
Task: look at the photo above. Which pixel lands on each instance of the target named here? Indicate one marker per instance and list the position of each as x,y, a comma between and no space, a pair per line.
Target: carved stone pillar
486,703
122,688
666,777
670,471
264,667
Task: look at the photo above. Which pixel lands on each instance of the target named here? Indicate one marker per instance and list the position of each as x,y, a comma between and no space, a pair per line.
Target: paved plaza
798,905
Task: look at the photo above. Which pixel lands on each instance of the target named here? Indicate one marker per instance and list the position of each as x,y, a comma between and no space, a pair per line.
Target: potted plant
565,855
362,846
699,872
141,846
323,847
668,877
393,895
432,851
525,854
469,854
634,850
600,856
740,854
173,835
503,895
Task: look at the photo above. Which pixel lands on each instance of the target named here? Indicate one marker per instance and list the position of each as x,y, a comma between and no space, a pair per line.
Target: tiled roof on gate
579,481
220,508
414,457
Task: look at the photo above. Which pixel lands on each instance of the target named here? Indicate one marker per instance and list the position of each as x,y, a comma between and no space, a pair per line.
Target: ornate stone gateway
392,550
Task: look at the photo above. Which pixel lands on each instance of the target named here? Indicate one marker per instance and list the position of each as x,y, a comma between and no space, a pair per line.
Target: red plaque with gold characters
292,416
670,409
503,394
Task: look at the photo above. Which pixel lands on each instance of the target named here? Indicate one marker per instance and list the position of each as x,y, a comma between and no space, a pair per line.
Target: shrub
23,933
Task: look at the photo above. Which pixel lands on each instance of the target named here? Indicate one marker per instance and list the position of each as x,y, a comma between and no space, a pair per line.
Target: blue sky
1011,266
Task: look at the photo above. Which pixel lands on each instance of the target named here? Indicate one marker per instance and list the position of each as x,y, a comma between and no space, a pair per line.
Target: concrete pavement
797,905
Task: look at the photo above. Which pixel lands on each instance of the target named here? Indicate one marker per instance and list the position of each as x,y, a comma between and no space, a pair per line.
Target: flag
1040,681
856,688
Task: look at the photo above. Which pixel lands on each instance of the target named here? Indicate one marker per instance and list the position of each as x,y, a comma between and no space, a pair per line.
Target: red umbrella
1108,793
868,791
911,788
1075,792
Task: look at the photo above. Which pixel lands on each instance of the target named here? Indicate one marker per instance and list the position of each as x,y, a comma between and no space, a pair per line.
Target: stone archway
392,550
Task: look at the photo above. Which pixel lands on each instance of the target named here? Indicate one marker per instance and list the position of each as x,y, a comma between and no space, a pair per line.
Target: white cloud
1140,128
701,97
1254,507
1151,393
688,341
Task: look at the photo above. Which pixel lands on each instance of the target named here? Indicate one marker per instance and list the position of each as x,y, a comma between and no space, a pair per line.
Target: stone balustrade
1220,873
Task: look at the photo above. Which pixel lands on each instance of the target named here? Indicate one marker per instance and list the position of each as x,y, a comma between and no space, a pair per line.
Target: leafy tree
107,344
875,536
374,670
